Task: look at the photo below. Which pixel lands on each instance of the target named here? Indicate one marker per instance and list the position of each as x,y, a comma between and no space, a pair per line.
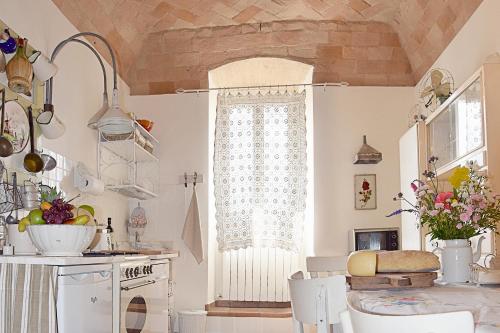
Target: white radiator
257,274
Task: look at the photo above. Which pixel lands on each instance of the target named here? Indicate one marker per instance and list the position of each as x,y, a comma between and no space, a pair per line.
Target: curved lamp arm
49,84
48,92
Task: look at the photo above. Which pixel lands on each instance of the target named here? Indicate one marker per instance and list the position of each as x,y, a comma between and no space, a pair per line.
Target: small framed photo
365,192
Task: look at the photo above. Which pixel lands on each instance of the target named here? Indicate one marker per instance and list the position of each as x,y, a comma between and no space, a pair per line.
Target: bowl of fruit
58,228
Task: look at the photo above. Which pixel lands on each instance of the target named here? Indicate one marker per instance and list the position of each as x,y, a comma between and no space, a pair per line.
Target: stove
135,269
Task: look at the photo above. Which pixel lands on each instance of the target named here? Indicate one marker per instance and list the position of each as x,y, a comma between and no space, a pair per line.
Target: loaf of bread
406,261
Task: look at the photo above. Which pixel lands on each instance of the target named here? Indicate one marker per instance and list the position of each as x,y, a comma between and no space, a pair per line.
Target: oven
384,239
144,296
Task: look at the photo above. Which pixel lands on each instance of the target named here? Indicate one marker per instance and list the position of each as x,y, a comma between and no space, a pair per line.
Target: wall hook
194,178
185,179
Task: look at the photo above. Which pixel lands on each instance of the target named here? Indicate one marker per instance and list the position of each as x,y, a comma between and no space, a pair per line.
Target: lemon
21,227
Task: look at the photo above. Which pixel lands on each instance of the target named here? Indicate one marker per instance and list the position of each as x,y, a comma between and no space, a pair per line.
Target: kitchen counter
90,260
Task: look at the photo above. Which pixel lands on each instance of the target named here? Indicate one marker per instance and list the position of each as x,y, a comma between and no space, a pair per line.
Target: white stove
142,291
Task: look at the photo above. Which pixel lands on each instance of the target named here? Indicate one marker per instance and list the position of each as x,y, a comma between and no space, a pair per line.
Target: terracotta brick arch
163,45
361,53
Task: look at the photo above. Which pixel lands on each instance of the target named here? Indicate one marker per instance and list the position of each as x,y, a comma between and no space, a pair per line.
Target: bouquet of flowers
470,209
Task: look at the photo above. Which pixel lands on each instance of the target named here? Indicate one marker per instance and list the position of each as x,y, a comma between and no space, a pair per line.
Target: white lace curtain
260,170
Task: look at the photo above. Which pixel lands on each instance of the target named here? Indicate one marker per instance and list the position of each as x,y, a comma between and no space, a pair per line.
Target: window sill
222,311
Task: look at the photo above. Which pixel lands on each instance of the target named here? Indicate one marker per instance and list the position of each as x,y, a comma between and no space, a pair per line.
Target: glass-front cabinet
457,131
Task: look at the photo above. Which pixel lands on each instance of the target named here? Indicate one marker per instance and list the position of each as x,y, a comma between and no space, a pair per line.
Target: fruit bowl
61,240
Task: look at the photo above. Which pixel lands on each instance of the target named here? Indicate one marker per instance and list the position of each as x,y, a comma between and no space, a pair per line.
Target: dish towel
28,298
191,234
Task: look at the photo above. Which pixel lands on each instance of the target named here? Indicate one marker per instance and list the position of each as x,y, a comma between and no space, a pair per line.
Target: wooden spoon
6,148
32,161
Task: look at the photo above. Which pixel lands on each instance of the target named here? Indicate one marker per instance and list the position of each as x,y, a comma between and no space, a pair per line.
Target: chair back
326,266
450,322
318,299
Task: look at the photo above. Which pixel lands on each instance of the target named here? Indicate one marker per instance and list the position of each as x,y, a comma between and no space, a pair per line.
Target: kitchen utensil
6,148
32,161
49,163
42,67
7,42
52,127
19,70
16,127
11,219
147,124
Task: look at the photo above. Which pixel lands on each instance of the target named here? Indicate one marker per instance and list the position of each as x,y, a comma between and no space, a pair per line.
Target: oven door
144,306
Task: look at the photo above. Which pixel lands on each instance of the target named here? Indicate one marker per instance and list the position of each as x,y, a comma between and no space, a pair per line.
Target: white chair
355,321
329,265
317,302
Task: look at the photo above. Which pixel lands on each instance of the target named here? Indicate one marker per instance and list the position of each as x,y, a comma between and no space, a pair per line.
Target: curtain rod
324,85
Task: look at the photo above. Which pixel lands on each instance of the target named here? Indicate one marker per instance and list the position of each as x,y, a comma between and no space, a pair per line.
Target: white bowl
58,240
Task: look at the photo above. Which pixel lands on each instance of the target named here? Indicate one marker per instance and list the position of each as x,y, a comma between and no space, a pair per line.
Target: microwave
377,239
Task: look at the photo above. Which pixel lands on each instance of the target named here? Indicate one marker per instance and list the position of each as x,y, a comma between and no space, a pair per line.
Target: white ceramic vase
456,257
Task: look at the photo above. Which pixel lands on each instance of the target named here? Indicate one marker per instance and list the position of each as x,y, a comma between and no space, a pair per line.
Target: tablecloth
483,302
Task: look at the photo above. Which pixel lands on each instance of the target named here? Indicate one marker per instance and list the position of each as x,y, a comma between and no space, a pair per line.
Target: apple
36,217
82,219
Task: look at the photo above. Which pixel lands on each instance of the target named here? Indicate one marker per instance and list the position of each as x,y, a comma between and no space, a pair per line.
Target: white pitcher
456,256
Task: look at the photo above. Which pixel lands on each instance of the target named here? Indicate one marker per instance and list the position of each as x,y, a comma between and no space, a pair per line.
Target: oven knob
127,273
137,271
150,269
145,270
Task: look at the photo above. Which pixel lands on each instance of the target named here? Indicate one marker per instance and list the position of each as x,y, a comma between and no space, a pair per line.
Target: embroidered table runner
28,298
483,302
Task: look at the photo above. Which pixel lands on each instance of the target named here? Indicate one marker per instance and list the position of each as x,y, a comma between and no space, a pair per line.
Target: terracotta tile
365,38
246,14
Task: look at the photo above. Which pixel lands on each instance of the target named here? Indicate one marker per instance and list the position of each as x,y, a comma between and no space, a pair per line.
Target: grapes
59,212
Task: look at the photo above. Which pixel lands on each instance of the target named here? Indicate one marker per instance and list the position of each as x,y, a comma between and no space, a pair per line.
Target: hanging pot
19,70
42,67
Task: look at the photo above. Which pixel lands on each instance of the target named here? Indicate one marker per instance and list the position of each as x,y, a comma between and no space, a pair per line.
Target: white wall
181,126
77,91
341,117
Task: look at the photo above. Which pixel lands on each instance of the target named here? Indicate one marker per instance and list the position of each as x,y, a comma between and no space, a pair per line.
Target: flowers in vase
365,193
467,209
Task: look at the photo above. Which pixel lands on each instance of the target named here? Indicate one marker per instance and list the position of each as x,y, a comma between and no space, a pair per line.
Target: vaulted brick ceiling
163,45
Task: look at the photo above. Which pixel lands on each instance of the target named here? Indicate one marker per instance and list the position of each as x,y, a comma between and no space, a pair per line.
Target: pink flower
433,212
413,187
439,205
482,205
476,197
459,226
443,197
464,217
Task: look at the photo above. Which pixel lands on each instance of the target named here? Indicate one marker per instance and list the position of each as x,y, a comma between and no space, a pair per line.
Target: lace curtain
260,170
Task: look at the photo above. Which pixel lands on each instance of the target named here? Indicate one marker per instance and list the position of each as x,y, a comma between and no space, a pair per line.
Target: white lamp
114,121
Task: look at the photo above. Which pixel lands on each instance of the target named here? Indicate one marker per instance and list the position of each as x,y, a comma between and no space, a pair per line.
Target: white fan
437,85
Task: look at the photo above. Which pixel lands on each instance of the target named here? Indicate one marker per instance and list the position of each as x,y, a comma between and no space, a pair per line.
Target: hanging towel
191,234
28,298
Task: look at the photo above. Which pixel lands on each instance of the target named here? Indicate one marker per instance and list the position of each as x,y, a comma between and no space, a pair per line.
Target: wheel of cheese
362,263
406,261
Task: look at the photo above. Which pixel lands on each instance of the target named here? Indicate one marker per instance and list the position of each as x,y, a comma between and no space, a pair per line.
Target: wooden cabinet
466,127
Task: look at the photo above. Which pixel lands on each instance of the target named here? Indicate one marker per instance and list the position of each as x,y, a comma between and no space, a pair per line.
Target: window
260,181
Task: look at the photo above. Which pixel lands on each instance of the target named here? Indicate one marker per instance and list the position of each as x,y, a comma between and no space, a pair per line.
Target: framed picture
365,192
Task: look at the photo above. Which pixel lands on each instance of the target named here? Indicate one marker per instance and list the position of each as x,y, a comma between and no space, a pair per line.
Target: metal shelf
145,133
125,150
133,191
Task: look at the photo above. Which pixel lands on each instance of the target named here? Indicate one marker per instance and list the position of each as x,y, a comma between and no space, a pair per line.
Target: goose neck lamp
109,120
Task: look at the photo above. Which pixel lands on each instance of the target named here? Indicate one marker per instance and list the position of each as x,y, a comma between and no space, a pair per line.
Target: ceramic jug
19,70
456,257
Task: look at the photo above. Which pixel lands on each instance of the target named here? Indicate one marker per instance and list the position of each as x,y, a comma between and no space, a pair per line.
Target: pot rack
324,85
